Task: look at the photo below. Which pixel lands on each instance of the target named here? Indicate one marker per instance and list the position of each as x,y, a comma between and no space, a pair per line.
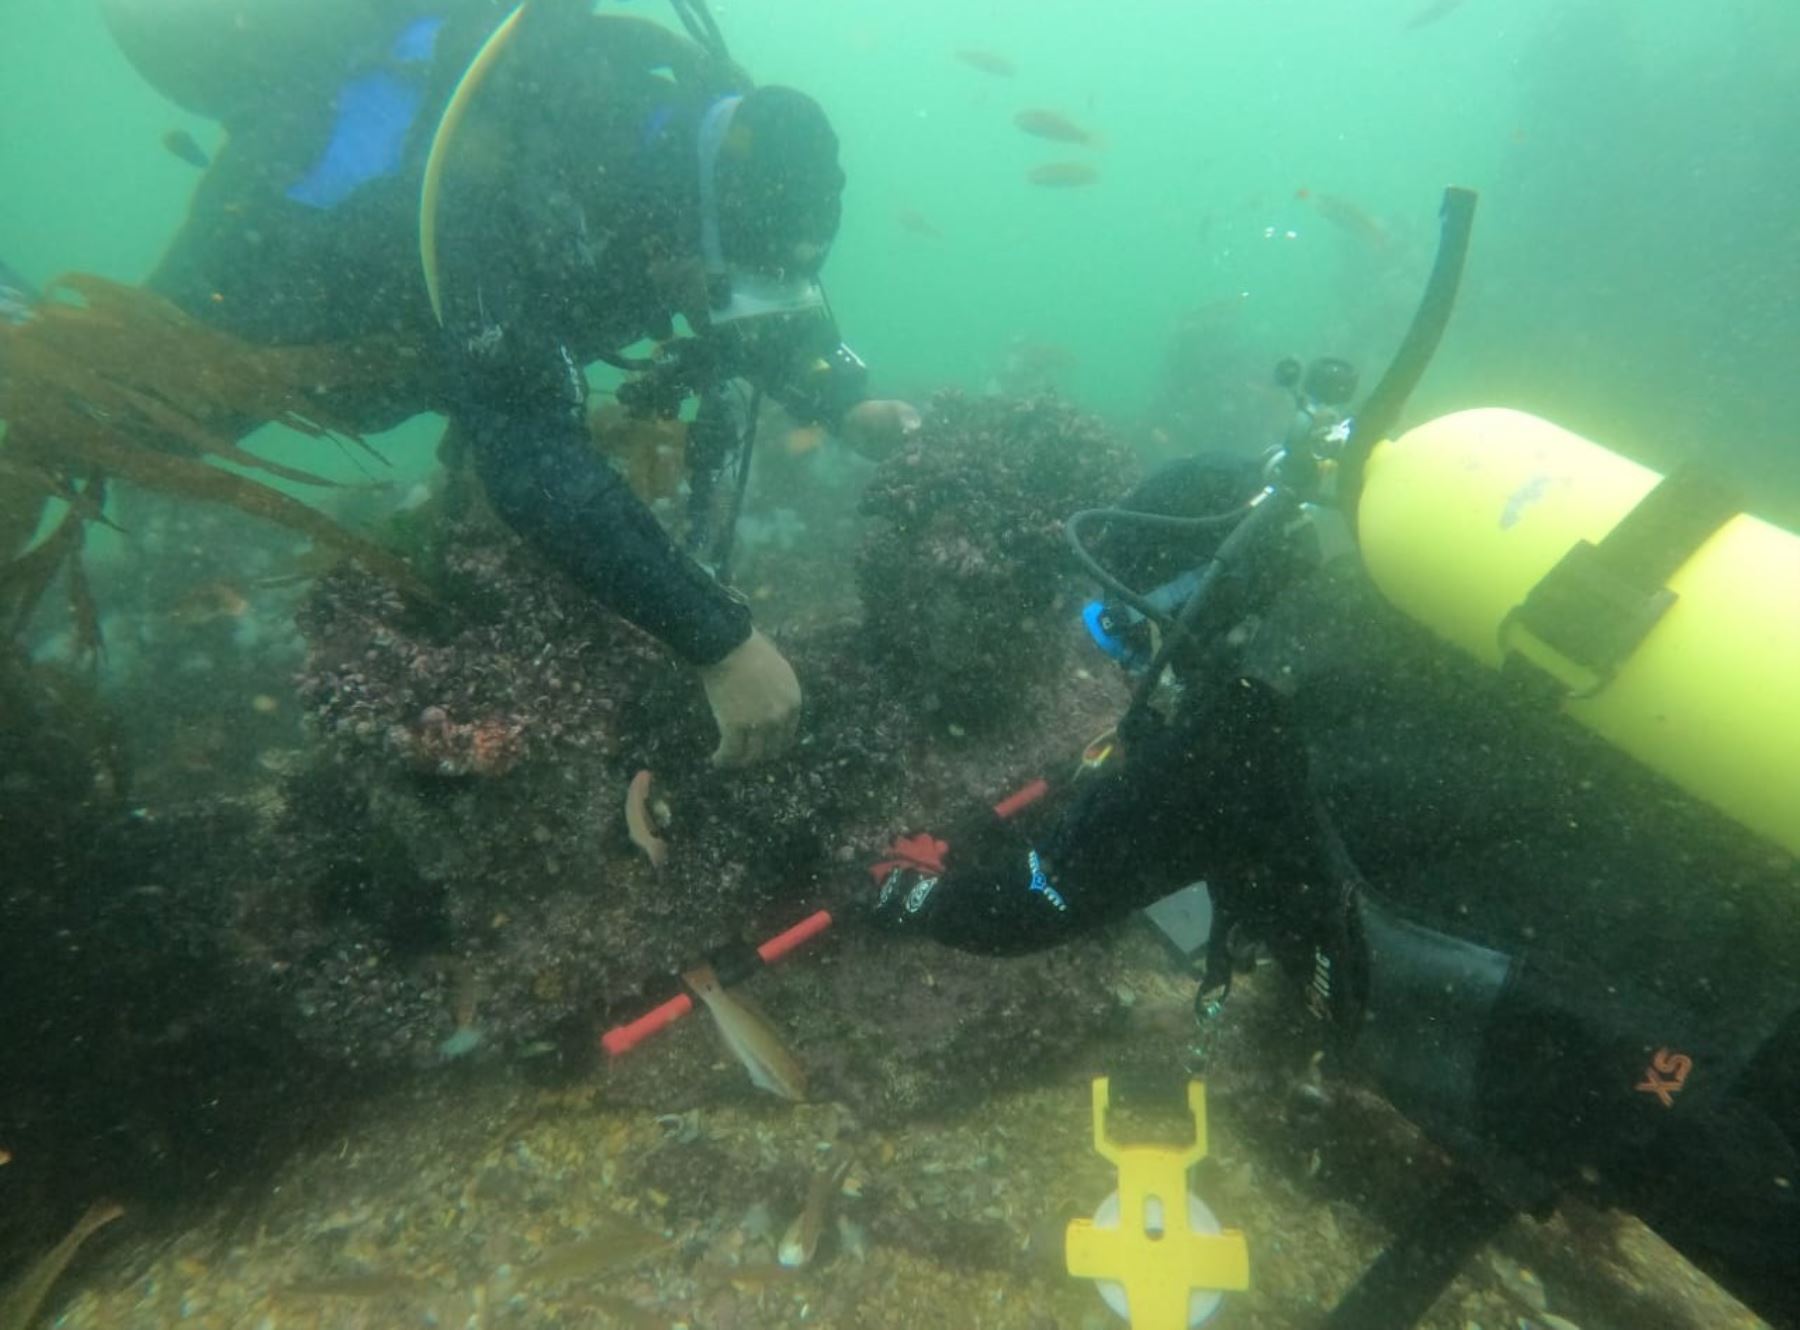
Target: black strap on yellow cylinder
1601,600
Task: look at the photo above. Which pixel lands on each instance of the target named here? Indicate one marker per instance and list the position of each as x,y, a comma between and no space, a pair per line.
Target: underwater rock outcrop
458,834
457,873
964,564
441,868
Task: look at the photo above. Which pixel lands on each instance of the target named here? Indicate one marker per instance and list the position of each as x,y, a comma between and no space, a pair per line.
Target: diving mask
746,294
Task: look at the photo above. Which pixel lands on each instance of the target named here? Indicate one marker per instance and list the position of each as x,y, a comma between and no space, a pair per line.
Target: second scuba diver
510,197
1475,895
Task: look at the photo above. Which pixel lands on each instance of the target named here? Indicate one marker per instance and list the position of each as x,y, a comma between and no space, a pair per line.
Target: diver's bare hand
876,428
755,699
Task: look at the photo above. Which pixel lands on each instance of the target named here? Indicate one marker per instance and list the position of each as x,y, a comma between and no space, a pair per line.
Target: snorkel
1313,471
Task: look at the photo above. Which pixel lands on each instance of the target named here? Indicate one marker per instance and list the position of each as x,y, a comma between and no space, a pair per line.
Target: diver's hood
737,292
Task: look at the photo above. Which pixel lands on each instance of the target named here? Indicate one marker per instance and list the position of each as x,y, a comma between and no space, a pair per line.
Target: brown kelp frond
130,337
20,1303
84,614
25,491
186,477
110,380
24,580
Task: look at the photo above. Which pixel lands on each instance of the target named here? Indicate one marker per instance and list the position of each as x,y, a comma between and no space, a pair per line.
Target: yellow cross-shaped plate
1172,1270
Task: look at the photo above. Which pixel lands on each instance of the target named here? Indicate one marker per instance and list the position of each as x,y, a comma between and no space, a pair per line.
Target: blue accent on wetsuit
1093,614
417,42
655,125
376,111
1040,883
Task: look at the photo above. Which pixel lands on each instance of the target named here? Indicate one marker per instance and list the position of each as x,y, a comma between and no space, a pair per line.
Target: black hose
727,546
701,26
1101,574
1261,522
1382,408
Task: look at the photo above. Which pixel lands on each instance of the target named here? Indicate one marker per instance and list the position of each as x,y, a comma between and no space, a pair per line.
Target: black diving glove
992,893
1216,791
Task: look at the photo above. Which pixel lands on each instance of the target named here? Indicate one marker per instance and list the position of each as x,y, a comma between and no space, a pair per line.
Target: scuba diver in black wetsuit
511,194
1498,919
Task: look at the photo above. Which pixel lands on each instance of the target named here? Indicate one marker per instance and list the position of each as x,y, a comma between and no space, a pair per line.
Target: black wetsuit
1544,955
573,174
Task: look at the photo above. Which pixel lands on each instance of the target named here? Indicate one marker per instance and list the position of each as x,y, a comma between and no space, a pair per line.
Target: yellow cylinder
1462,516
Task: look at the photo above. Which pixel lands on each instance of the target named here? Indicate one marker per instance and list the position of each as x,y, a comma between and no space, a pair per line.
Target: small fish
20,1304
301,566
750,1036
988,62
372,1285
1351,219
639,823
622,1244
459,1043
1055,126
209,602
466,990
752,1278
183,145
619,1311
801,1241
1062,175
914,222
1432,12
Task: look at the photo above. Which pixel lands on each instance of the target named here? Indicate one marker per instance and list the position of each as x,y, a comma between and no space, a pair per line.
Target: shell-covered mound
964,566
457,874
460,843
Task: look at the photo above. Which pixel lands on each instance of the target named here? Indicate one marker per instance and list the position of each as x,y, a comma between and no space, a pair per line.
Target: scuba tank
223,58
1651,609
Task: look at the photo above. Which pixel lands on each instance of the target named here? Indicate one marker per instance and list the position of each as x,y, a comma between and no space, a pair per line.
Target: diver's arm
822,381
545,481
999,891
1221,788
819,382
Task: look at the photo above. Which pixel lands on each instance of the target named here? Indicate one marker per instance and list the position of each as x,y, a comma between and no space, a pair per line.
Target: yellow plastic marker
1099,749
1172,1273
433,185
